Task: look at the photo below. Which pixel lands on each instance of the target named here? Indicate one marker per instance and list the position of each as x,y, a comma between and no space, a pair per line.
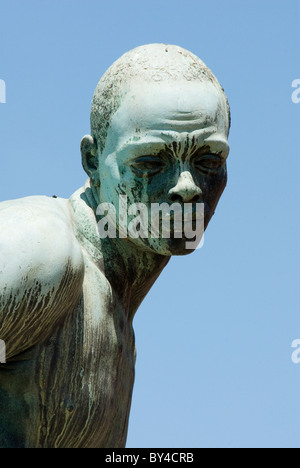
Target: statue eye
208,163
146,166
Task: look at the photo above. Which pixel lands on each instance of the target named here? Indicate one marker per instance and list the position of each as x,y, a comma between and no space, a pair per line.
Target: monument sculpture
159,128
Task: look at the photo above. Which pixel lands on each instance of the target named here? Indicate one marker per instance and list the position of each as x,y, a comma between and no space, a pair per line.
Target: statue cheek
133,190
214,188
138,190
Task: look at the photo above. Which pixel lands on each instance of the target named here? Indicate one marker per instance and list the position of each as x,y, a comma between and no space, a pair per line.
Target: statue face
166,143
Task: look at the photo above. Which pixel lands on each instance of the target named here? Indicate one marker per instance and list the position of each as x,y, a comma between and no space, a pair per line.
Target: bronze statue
159,127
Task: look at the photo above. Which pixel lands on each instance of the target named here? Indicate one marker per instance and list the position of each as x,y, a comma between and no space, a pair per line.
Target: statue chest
85,373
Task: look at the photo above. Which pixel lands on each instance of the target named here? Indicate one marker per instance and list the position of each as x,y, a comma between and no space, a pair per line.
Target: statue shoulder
41,269
38,229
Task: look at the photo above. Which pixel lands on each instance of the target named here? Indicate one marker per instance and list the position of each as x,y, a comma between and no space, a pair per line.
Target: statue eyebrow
140,148
217,145
161,137
168,142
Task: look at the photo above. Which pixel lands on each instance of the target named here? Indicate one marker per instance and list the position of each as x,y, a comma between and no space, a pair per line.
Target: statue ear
89,155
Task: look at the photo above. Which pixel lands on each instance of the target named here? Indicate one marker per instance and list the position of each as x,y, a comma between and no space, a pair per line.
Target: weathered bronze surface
159,123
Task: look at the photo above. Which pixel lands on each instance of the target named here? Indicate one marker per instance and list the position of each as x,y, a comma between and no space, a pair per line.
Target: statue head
159,122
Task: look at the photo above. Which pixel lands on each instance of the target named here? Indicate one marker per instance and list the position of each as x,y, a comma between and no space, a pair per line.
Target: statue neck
131,271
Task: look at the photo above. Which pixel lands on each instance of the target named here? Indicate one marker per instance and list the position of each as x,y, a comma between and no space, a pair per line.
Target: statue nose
185,190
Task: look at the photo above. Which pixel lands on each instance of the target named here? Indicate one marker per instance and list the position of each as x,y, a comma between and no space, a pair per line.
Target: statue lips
190,214
190,221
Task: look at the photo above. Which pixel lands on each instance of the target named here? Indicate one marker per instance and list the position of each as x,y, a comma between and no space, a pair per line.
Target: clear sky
214,335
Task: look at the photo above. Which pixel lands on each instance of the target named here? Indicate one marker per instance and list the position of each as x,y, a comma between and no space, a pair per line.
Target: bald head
146,64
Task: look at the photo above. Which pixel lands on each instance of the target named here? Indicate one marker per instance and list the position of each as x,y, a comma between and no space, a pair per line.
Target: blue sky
214,335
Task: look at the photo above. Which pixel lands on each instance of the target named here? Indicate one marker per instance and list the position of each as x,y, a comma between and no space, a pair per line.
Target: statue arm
41,274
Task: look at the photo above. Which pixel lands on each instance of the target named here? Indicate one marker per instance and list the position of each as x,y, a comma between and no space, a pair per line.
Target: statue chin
167,247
